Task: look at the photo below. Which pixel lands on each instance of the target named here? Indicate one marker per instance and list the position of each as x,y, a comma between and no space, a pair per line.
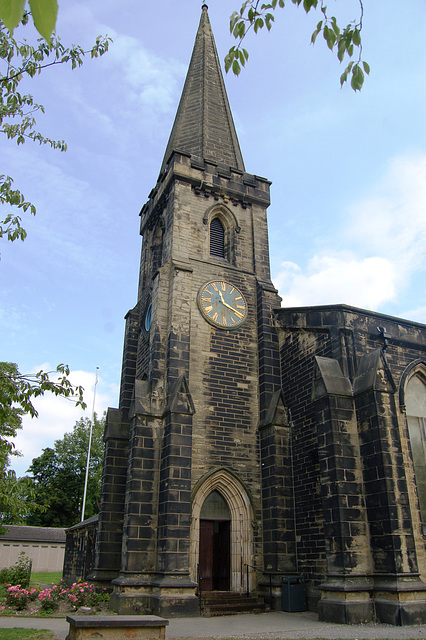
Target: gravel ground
286,626
265,625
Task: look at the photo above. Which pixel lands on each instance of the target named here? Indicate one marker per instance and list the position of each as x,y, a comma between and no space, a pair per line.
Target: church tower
197,488
211,481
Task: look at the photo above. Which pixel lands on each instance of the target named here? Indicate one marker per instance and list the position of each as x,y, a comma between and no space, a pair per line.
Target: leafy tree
17,499
59,473
254,15
17,391
44,13
10,414
19,60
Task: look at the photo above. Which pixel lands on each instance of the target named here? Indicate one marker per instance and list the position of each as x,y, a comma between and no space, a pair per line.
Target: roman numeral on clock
222,304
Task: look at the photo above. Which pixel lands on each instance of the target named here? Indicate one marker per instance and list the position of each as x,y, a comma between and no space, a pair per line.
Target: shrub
19,573
49,598
18,597
83,594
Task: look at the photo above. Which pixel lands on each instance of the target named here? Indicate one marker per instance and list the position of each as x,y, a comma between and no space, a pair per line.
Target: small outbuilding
80,550
45,546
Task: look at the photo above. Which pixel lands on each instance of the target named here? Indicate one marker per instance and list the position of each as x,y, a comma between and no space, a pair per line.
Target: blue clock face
148,314
222,304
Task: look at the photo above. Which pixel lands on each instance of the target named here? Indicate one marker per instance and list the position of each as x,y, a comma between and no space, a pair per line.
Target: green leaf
366,67
228,61
308,4
357,78
316,32
244,6
241,57
241,29
344,76
341,49
258,24
335,26
11,12
44,14
232,20
236,68
357,37
329,36
269,19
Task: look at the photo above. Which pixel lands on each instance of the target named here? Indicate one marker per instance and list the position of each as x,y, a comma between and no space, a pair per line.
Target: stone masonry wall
349,335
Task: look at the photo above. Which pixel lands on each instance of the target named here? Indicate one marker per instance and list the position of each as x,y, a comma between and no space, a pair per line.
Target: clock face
222,304
148,316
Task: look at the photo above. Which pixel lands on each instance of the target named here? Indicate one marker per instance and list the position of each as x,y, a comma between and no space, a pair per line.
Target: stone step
214,603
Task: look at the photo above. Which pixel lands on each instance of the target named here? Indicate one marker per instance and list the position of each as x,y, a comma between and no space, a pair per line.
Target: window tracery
415,400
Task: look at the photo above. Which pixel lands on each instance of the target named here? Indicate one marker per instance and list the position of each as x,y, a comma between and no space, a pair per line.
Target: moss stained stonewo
296,418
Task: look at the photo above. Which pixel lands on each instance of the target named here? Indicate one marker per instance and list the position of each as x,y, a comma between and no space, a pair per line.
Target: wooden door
214,561
221,556
206,555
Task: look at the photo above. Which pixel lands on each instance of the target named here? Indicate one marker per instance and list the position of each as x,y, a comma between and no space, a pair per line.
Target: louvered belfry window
217,238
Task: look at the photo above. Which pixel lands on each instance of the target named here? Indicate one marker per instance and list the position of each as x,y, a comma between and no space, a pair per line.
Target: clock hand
225,304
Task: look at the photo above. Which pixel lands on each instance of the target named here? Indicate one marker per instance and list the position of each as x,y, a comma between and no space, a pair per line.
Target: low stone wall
117,627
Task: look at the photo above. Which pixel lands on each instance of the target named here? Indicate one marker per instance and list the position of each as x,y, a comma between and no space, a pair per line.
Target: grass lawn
45,578
25,634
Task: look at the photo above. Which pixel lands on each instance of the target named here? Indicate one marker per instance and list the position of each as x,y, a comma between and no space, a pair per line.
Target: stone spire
203,125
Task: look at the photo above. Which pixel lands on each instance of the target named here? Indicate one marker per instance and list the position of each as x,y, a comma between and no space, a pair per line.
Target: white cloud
62,213
130,84
153,79
130,91
385,237
391,219
365,282
57,416
417,315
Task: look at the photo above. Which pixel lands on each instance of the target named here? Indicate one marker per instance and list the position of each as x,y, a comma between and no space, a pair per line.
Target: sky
347,223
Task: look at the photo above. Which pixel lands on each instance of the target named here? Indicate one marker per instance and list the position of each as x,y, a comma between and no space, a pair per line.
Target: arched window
157,248
217,238
415,399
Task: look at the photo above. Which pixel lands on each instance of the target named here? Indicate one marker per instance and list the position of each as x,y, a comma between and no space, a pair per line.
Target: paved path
264,625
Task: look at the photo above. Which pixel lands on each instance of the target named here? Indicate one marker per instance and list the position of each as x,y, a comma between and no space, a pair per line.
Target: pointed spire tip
204,107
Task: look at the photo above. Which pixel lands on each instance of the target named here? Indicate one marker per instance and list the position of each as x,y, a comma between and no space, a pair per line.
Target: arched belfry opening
217,238
223,230
221,556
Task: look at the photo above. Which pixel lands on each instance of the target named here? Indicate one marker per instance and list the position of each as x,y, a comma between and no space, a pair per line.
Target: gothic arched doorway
221,534
214,566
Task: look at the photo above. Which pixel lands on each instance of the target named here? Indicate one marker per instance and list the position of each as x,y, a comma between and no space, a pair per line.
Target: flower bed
50,599
18,598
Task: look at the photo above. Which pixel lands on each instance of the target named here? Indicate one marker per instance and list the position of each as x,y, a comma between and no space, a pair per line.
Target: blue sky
347,222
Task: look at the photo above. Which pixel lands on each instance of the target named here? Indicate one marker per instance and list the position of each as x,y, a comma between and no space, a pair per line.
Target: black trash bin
293,593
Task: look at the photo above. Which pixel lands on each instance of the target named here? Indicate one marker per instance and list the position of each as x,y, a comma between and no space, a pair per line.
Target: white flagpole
83,506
